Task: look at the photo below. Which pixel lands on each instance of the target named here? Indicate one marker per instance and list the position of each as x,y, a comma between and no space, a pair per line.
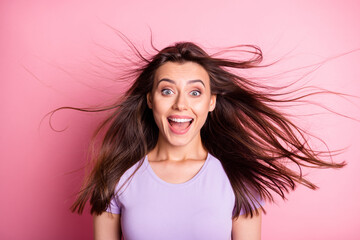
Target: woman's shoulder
215,164
130,173
215,172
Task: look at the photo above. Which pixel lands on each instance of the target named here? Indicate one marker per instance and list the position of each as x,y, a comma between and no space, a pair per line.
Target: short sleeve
114,206
257,204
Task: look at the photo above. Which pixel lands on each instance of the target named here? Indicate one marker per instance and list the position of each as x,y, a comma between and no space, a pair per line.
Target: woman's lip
179,132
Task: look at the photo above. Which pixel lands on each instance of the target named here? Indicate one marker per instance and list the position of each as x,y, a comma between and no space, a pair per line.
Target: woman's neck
165,151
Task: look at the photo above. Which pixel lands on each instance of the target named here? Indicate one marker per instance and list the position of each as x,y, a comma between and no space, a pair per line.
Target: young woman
191,151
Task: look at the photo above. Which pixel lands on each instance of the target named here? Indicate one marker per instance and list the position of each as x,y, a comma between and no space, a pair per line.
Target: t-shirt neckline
193,179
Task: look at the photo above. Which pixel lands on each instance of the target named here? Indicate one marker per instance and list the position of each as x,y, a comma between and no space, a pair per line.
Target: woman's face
180,101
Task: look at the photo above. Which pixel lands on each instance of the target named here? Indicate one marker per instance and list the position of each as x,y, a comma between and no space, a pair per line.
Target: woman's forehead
185,71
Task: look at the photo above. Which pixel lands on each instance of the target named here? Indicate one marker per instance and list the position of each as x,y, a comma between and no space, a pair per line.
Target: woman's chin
179,142
185,140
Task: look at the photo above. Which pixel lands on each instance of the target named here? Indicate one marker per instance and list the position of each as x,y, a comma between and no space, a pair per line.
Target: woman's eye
166,92
195,93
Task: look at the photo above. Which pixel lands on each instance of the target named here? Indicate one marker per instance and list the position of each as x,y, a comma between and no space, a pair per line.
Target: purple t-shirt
151,208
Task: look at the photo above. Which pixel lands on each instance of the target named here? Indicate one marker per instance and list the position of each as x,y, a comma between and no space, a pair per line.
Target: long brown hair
256,139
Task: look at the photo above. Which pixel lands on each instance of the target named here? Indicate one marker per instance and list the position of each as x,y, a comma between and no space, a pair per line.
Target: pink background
48,57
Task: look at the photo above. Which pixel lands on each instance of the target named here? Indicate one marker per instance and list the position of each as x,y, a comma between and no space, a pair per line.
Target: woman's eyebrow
173,82
165,80
195,81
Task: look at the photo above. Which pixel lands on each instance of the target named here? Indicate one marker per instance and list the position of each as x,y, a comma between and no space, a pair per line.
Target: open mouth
180,125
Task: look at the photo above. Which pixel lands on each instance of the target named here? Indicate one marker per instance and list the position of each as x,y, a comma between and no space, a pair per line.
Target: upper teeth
180,119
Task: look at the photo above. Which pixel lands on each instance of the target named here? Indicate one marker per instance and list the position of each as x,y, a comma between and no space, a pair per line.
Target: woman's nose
180,102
